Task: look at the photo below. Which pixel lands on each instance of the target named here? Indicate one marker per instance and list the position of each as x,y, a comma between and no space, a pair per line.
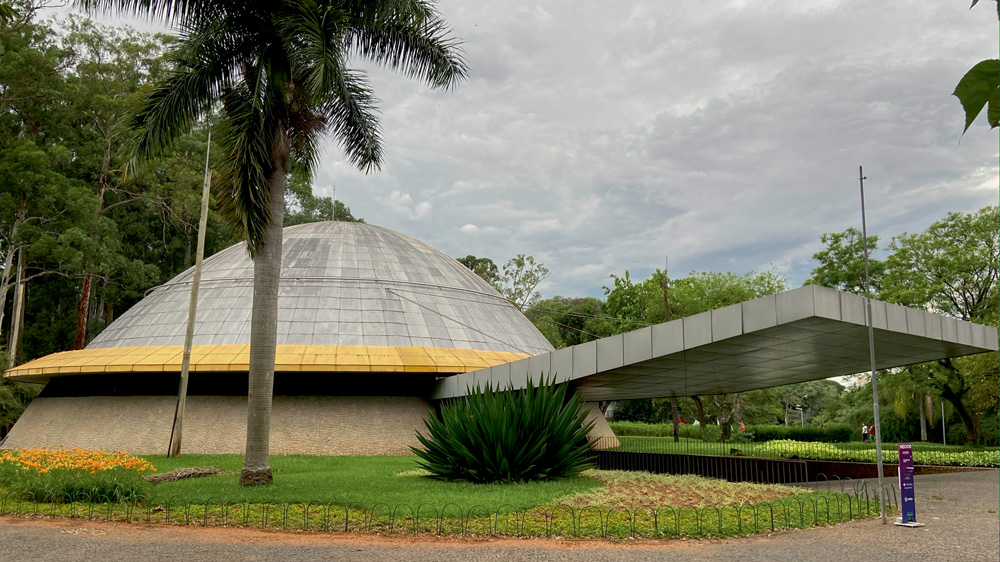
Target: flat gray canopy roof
805,334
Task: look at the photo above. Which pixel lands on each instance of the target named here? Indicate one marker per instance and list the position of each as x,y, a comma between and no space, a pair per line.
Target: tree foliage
302,206
950,268
842,266
521,276
565,322
980,87
485,269
517,280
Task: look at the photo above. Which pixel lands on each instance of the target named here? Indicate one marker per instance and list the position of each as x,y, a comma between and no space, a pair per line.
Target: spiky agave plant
537,433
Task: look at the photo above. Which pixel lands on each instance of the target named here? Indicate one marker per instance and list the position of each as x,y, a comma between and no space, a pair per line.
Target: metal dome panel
342,283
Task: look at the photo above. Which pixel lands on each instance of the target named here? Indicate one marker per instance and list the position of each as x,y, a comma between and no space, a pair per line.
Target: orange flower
42,470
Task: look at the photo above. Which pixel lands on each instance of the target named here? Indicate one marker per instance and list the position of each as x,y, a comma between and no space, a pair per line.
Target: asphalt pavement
960,511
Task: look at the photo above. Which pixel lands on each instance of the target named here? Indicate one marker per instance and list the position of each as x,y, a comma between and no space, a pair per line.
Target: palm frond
327,96
312,36
169,12
204,67
352,118
409,37
247,133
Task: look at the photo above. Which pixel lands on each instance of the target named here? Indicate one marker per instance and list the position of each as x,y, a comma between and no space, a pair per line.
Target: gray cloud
602,136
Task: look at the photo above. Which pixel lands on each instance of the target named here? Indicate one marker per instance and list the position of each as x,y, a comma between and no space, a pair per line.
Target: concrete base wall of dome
314,425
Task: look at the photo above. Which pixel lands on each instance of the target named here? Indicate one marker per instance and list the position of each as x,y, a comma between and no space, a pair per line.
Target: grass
390,495
368,480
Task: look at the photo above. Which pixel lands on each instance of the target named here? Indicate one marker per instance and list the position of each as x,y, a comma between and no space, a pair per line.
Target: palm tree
280,71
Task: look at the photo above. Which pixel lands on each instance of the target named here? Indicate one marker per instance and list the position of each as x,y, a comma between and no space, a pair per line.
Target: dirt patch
630,489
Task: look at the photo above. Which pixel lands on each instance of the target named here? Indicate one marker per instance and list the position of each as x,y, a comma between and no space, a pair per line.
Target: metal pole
175,433
871,348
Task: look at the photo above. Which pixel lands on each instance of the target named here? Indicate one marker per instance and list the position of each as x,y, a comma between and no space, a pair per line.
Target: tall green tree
107,67
634,305
517,280
521,276
565,322
951,268
281,73
842,265
484,268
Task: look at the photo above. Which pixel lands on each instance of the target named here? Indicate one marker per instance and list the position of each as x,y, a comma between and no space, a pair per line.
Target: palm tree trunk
264,324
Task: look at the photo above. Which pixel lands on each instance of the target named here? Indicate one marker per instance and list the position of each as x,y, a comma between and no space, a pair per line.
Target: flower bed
789,449
73,474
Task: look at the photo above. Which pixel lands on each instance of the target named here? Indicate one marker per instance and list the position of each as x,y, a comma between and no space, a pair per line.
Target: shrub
828,434
507,436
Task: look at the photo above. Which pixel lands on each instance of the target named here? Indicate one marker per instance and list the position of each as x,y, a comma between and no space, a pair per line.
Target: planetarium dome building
368,321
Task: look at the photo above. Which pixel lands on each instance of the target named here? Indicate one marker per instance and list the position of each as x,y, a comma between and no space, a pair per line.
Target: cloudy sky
604,136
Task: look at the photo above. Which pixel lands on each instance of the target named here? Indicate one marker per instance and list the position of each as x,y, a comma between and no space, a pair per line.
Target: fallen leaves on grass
182,473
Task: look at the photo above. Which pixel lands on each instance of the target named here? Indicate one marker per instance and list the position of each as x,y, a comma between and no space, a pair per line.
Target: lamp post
871,349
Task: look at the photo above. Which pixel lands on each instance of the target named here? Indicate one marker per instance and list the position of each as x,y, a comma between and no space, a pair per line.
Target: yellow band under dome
236,357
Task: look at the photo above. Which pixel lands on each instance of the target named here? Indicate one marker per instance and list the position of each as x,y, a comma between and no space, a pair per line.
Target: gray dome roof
342,283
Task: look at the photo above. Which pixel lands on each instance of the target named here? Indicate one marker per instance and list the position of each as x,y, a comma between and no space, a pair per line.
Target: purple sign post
908,505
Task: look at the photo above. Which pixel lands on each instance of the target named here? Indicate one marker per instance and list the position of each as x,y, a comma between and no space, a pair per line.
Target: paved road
960,510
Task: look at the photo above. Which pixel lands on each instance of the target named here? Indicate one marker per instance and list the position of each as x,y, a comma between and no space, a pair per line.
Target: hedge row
640,429
713,433
826,434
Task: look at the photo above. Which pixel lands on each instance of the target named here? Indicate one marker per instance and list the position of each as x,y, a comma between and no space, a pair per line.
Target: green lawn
368,480
389,494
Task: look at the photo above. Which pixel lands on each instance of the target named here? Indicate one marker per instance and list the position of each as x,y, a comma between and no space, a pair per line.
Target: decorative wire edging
860,500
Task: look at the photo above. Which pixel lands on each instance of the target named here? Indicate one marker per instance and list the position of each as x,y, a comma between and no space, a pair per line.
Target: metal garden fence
855,499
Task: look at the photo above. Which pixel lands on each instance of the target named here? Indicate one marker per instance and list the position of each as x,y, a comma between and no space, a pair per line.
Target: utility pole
871,348
175,433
